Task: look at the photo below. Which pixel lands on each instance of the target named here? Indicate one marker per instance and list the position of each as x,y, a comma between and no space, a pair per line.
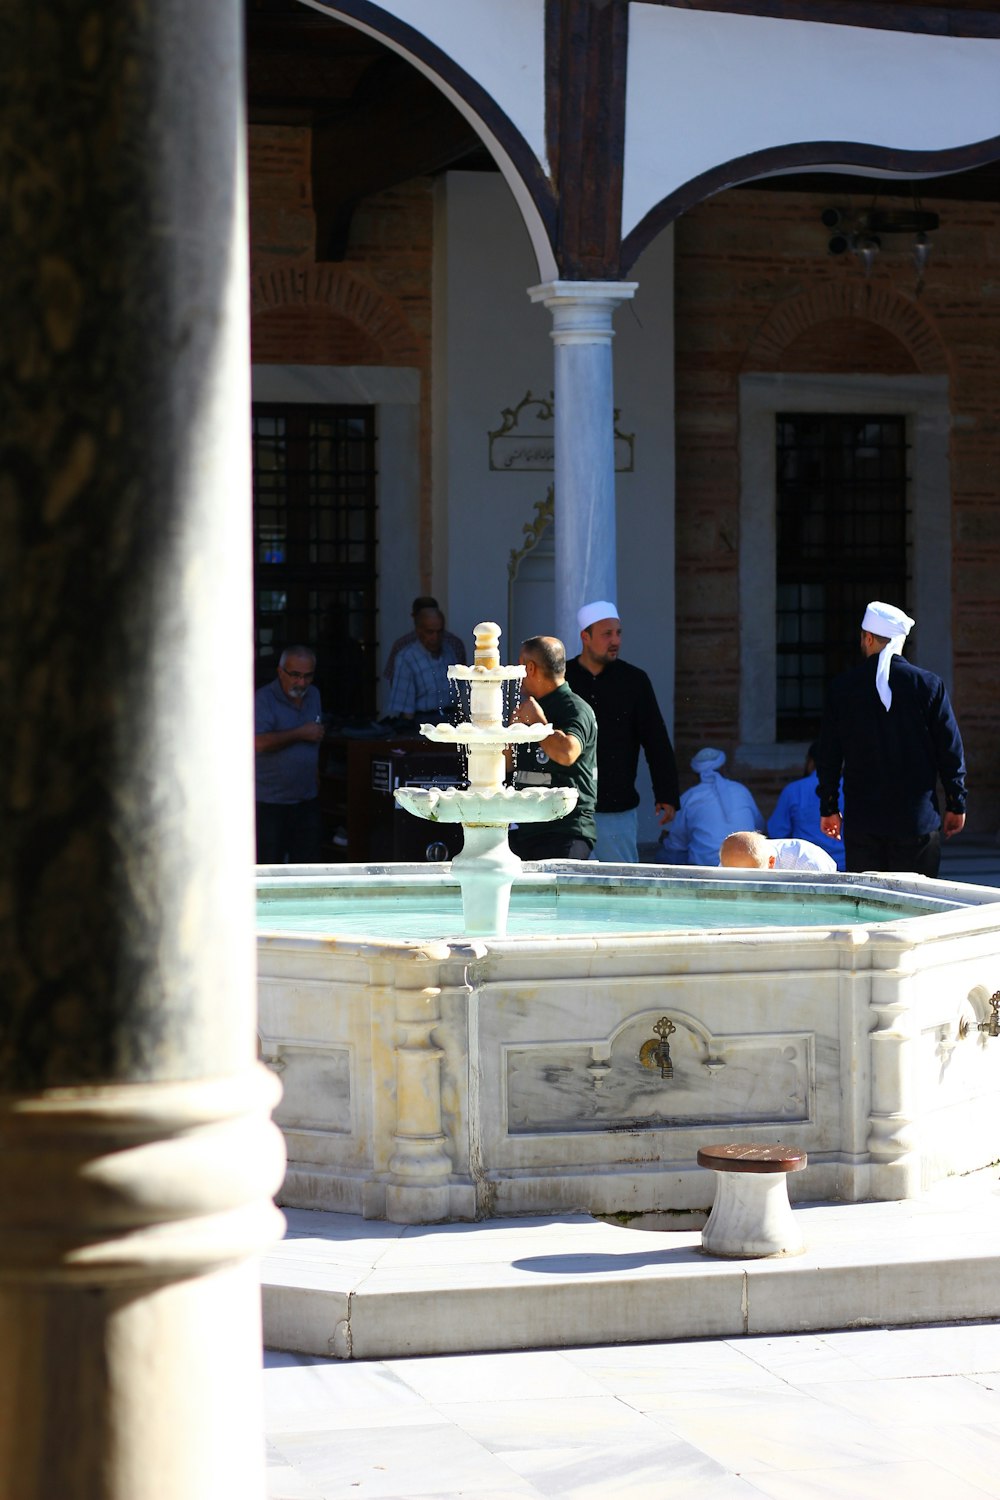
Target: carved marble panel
317,1087
574,1087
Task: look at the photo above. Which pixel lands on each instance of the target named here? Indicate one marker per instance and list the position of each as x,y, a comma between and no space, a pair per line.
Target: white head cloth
708,761
730,796
885,619
601,609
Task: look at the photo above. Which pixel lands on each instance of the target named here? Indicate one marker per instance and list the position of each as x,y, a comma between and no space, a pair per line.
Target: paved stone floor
863,1415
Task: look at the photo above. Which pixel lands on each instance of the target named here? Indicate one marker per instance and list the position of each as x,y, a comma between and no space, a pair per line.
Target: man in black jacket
890,727
628,719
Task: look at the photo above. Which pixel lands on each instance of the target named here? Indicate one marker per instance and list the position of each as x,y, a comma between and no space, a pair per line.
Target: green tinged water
437,913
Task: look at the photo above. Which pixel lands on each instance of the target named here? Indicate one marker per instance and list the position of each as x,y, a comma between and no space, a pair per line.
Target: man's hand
952,823
278,739
528,712
666,812
832,825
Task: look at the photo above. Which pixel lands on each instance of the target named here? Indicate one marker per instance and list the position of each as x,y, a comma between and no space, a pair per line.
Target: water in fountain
486,867
395,910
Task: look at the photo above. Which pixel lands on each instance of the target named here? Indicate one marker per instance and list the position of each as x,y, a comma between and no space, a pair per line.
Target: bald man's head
747,851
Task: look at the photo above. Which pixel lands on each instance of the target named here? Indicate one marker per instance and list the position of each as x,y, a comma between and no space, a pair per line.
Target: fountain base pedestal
485,869
522,1051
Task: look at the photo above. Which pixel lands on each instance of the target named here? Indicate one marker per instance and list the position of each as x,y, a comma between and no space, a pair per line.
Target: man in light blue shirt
708,812
796,813
420,681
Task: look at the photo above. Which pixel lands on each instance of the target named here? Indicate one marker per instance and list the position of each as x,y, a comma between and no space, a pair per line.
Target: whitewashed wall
706,88
491,347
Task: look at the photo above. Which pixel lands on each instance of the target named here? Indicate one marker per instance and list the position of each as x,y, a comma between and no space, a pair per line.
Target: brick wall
757,290
372,308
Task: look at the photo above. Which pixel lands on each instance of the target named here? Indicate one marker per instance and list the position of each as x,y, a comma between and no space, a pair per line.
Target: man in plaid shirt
420,682
422,601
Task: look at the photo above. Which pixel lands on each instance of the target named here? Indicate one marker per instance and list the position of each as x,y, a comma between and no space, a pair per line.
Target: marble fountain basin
431,1076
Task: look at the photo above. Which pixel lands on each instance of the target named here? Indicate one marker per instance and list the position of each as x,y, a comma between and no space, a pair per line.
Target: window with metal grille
315,540
842,539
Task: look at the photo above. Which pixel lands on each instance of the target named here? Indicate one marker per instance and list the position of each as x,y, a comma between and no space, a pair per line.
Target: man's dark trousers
868,851
289,830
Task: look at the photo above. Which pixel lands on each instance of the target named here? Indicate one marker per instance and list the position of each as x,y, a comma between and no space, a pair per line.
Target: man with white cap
709,812
890,728
628,719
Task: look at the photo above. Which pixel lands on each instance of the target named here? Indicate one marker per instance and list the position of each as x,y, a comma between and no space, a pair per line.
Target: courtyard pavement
839,1413
862,1415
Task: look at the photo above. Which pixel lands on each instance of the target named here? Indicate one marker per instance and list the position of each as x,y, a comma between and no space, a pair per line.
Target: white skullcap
885,620
708,760
601,609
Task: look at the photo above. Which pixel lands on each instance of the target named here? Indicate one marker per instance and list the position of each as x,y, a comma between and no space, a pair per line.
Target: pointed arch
521,166
834,156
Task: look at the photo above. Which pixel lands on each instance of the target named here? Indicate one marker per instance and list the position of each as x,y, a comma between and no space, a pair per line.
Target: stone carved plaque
602,1086
525,441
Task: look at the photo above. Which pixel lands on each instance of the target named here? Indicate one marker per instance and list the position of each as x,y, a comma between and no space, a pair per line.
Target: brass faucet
992,1026
656,1052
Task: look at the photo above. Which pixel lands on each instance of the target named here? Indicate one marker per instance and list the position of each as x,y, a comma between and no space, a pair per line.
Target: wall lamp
862,233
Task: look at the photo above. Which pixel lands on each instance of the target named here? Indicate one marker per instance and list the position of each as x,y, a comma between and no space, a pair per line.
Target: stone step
347,1287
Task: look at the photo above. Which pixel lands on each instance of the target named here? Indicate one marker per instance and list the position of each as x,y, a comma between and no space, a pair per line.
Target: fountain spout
992,1025
487,866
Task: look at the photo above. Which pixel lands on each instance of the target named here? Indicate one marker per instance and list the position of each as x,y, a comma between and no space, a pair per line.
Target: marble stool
751,1215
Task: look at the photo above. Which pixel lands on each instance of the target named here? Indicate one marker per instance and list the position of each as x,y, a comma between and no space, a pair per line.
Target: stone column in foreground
586,566
137,1159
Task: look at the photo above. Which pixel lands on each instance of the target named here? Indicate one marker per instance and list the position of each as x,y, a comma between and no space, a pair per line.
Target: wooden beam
586,43
968,18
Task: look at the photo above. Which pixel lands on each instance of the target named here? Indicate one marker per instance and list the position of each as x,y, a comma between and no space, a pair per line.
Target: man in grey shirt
288,728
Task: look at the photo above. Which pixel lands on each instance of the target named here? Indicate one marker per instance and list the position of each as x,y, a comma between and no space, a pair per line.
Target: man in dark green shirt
566,757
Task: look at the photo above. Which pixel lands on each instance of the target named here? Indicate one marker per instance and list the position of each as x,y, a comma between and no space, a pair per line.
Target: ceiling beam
399,126
968,18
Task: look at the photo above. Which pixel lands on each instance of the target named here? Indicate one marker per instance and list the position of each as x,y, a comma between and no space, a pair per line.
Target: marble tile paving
857,1415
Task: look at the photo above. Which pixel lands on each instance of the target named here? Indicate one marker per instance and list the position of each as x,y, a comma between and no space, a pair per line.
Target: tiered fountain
487,866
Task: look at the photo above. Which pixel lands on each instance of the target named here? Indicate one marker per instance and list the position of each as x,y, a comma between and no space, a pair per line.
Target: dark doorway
842,538
315,547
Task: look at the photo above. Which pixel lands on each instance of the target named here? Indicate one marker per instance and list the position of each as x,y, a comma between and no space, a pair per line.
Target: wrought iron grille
315,547
842,539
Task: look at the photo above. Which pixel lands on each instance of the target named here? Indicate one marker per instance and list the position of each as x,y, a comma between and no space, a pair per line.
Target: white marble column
586,565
